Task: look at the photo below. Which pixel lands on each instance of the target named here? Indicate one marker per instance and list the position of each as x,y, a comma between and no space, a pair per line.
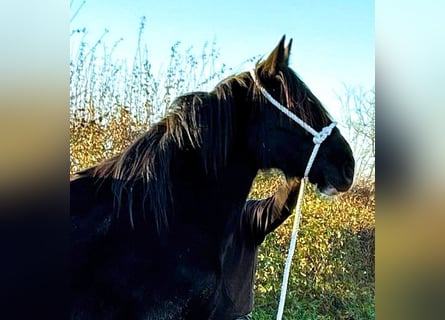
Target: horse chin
328,190
324,187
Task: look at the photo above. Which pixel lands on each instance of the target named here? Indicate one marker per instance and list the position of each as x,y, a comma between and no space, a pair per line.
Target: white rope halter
318,139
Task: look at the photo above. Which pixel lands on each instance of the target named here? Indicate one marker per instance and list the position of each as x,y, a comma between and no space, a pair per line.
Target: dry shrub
333,267
93,140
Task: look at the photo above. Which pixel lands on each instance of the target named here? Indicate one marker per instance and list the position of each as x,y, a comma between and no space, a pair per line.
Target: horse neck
233,182
214,192
234,179
233,176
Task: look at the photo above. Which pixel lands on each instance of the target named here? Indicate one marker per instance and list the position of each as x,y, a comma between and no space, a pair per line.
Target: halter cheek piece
319,137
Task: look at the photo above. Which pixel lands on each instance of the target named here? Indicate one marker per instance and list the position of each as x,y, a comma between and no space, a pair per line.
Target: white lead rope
290,254
318,139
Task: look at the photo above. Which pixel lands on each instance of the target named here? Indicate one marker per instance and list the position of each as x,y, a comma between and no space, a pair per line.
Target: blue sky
333,41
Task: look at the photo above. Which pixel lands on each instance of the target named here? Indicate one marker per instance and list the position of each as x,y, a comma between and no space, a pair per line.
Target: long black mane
198,121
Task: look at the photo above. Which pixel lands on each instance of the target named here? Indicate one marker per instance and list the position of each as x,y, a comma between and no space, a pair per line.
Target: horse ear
278,58
287,52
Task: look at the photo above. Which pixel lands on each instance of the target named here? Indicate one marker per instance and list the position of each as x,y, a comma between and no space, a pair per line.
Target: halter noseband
319,137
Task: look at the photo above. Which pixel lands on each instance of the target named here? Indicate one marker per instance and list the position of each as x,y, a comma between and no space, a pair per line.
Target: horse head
277,141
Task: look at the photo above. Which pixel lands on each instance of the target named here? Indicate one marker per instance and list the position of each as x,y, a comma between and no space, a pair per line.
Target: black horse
154,225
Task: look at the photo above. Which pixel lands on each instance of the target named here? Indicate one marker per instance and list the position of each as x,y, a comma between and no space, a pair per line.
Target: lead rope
318,139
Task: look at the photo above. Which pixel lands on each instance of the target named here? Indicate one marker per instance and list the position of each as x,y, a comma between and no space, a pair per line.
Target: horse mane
201,121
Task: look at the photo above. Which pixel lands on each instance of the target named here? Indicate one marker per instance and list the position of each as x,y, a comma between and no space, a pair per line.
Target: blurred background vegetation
332,276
